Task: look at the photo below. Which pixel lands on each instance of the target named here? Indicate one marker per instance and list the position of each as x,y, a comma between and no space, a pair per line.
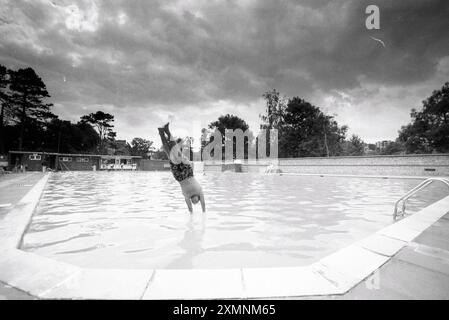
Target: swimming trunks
181,171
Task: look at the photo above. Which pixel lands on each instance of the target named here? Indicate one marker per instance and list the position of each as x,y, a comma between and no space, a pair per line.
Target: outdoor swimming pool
139,220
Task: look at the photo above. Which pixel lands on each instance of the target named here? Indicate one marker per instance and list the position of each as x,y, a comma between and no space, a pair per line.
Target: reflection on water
140,220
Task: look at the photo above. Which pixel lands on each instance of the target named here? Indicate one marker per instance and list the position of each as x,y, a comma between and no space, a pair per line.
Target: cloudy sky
189,61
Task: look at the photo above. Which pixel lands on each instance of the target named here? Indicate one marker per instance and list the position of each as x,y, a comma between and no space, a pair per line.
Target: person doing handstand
181,169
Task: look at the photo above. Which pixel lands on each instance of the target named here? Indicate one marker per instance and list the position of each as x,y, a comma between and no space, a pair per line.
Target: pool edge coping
334,274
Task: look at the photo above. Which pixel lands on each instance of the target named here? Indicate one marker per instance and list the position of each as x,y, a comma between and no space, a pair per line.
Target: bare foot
166,129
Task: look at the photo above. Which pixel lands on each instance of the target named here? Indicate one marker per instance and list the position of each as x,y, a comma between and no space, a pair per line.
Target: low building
369,148
37,160
119,162
3,161
381,145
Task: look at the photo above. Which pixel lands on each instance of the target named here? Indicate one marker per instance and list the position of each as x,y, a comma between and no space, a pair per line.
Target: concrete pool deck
420,270
12,188
408,259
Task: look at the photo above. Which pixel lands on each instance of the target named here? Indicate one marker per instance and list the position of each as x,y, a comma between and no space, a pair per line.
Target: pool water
140,220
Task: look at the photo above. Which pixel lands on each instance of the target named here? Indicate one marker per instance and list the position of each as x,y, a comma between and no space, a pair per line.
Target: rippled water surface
140,220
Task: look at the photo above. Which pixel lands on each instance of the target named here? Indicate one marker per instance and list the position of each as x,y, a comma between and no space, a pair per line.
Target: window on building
80,159
66,159
35,157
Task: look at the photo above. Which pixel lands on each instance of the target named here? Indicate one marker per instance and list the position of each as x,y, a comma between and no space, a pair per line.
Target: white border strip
332,275
15,223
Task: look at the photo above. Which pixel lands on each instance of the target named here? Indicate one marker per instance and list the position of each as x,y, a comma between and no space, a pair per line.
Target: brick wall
153,165
406,165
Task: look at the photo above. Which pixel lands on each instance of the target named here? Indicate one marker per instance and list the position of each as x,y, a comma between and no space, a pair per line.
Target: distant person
181,169
44,166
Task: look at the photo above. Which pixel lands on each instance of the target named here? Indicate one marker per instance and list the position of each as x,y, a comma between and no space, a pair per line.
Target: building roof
104,156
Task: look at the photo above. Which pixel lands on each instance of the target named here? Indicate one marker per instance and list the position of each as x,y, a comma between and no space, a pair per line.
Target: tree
275,109
141,147
66,137
355,146
303,129
103,123
159,155
230,122
429,129
4,99
85,138
25,113
204,141
395,147
306,131
189,142
28,95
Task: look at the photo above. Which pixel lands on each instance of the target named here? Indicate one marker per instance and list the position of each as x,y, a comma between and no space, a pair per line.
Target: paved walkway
419,271
8,293
12,188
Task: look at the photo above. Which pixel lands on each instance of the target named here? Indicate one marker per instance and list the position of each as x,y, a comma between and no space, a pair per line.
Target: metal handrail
413,191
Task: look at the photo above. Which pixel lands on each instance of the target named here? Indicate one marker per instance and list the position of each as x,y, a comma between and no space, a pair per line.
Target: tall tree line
27,123
303,129
428,130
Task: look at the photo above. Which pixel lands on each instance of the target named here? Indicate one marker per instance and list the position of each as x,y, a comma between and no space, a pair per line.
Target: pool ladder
412,192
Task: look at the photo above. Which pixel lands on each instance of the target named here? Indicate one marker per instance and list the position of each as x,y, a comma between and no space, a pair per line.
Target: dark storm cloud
143,54
227,50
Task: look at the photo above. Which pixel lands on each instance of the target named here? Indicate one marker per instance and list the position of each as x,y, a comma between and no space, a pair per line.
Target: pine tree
4,98
28,95
103,123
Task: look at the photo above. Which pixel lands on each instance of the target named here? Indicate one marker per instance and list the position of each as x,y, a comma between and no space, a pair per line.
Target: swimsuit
181,171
